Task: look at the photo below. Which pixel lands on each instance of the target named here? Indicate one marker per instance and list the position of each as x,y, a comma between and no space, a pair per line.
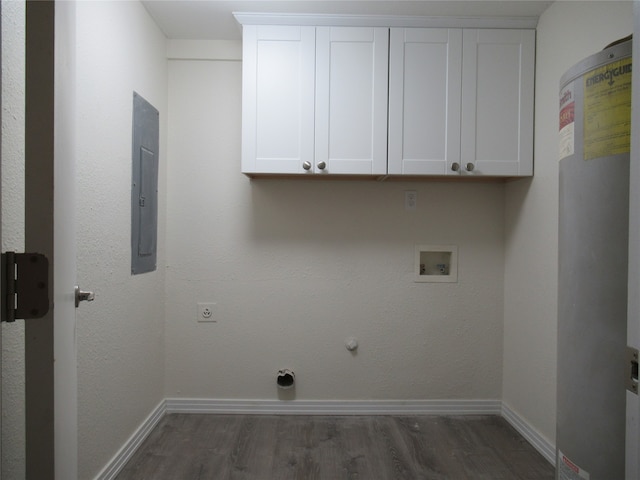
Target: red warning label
567,115
567,122
567,470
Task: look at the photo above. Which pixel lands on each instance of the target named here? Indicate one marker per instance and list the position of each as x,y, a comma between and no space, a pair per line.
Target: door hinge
631,369
25,286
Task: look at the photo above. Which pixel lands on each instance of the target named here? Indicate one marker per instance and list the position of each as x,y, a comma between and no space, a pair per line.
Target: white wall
567,33
120,334
297,266
13,83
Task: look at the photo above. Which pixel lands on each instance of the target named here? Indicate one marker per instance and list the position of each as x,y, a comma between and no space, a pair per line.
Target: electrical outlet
206,312
410,200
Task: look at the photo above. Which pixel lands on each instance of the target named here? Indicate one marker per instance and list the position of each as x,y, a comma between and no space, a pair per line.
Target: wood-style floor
266,447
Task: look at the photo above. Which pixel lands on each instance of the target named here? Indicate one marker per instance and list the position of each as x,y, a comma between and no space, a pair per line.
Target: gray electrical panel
144,187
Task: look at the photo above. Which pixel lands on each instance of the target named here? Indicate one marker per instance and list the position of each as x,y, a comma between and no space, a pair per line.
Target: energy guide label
607,110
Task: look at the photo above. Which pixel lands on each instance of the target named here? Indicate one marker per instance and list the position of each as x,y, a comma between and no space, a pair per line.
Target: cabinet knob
322,165
455,166
306,165
470,167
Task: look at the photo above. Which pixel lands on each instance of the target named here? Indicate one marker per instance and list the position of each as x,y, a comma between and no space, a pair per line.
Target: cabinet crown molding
249,18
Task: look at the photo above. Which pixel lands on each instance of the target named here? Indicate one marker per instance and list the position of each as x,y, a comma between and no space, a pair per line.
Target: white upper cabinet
351,100
315,100
461,102
497,102
277,98
425,74
378,100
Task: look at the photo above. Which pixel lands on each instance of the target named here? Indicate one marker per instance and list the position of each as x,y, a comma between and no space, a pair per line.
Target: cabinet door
497,102
351,100
277,98
424,100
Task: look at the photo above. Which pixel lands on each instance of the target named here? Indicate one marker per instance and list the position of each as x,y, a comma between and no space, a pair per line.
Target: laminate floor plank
520,460
331,454
298,448
251,454
362,449
210,446
398,464
279,447
429,448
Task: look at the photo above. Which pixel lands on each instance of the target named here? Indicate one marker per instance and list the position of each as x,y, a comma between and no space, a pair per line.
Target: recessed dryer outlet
436,263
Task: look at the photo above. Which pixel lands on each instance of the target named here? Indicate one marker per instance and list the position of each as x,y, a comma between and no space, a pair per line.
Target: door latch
631,370
82,296
25,286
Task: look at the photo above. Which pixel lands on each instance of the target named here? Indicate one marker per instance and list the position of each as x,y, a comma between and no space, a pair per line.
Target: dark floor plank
512,450
251,454
298,441
361,457
428,447
263,447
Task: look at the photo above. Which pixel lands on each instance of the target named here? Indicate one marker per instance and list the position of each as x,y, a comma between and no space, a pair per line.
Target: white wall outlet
410,200
206,312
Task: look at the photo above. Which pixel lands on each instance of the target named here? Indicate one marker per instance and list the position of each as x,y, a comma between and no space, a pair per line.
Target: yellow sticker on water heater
607,110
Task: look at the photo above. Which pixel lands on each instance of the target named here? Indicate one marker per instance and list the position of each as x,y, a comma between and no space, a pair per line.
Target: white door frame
64,236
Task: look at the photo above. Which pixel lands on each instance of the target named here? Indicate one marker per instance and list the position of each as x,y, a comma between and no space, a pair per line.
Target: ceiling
213,19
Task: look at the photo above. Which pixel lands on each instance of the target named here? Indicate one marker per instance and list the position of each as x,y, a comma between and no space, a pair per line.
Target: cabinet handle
455,166
470,167
322,165
306,165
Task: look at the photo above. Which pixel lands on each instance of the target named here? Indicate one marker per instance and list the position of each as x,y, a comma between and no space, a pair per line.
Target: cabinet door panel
497,101
424,100
278,98
351,100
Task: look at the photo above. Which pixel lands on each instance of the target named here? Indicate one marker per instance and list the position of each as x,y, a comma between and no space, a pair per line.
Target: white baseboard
326,407
129,448
540,443
331,407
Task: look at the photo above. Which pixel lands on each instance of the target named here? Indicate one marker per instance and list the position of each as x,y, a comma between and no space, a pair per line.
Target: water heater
595,120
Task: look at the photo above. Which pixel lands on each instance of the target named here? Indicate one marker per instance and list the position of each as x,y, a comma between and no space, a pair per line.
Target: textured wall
297,266
120,334
567,33
13,51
